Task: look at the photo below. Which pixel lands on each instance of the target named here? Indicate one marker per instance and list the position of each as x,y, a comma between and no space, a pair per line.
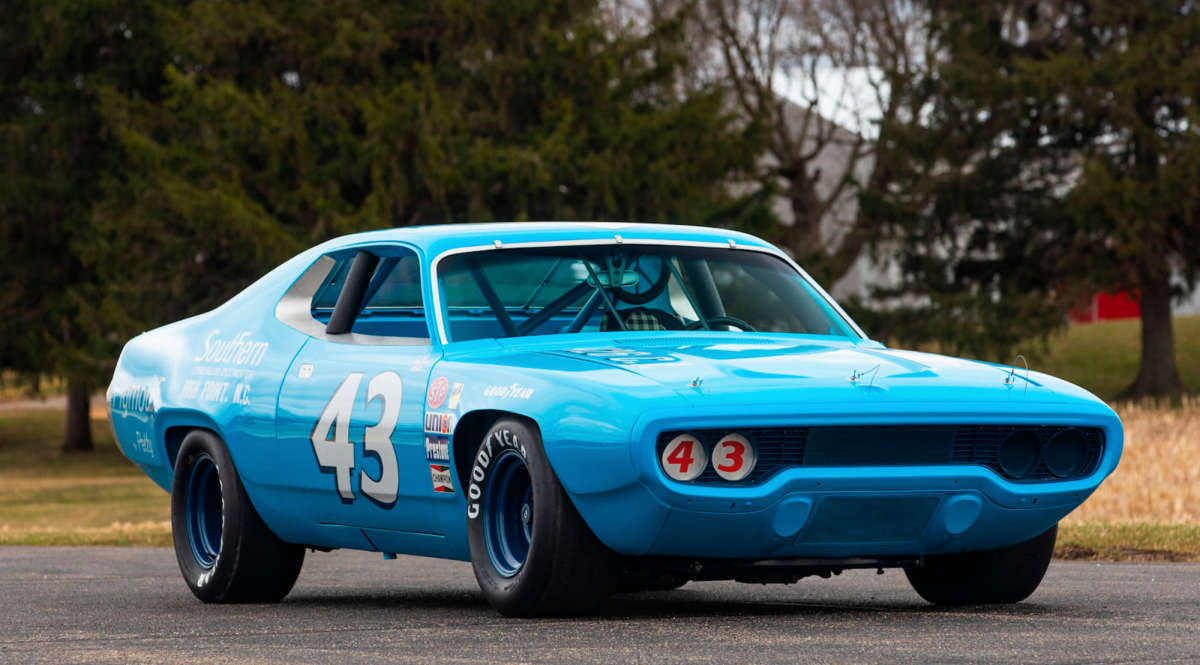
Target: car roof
434,240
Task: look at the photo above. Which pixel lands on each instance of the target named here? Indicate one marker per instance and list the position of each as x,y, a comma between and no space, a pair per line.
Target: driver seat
642,319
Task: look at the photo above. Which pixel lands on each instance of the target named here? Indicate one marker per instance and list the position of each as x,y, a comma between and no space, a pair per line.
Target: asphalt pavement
130,605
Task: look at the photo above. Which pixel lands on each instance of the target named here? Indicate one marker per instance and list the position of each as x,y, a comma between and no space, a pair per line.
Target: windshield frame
498,246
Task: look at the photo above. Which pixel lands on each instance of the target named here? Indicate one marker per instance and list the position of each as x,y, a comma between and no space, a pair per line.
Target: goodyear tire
532,553
1007,575
225,551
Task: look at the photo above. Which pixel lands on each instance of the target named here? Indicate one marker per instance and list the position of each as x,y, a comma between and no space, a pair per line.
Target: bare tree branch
769,49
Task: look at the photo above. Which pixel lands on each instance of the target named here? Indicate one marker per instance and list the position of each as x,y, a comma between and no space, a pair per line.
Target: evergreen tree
156,157
1126,76
1056,160
285,123
54,150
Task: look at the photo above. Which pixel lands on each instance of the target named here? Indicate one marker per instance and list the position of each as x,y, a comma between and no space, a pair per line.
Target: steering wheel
727,320
655,290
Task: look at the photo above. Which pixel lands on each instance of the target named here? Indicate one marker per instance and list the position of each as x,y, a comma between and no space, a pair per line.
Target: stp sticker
437,449
439,423
685,457
734,457
443,483
455,393
437,392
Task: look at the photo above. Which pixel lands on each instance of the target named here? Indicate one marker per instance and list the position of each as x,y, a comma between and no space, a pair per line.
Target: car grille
782,448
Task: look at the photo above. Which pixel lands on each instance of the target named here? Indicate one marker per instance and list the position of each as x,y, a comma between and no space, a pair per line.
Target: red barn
1109,307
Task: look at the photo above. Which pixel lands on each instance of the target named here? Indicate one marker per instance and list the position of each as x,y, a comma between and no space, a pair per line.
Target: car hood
780,371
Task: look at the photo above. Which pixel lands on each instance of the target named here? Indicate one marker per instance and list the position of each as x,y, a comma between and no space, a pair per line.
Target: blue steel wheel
532,553
205,511
508,513
226,553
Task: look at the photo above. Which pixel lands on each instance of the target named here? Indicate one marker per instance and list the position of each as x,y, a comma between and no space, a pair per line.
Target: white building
866,273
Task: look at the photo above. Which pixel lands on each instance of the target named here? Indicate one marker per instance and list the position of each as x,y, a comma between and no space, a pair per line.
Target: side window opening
374,291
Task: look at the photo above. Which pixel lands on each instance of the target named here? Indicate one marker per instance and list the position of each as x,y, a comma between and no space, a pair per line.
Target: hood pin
1011,378
857,376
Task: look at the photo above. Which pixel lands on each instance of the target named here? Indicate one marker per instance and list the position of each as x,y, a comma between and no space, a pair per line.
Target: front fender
586,413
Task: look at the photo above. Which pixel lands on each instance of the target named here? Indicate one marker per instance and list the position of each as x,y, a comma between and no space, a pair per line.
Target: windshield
613,288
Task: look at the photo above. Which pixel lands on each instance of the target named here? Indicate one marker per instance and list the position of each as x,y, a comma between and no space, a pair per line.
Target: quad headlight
734,456
687,456
1064,456
1066,453
1020,453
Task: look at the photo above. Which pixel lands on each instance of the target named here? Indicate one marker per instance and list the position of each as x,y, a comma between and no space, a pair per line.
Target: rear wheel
225,551
1007,575
532,553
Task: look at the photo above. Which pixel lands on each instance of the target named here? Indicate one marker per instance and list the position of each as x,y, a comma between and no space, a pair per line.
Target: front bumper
841,511
833,523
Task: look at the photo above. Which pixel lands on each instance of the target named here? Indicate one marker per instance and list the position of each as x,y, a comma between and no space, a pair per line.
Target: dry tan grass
144,534
1158,479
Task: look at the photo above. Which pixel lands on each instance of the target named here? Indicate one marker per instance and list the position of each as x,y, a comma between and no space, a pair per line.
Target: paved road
130,605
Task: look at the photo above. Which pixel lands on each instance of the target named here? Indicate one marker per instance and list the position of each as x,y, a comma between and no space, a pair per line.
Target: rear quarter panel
220,371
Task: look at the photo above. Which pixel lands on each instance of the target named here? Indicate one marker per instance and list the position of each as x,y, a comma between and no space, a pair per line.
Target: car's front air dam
845,524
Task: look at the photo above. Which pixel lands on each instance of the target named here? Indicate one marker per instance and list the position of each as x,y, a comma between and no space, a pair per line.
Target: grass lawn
1145,541
51,498
1103,357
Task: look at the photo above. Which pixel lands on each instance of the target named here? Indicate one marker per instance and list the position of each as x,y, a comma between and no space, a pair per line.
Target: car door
351,406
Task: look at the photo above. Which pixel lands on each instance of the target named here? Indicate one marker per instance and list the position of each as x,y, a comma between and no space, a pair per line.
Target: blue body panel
263,386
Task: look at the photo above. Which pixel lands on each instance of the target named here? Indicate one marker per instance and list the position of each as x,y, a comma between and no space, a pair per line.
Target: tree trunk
1158,375
804,238
79,421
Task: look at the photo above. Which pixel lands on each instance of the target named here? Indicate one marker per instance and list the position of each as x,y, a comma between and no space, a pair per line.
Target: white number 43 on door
337,454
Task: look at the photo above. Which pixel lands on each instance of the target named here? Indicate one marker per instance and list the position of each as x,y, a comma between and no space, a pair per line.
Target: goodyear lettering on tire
492,446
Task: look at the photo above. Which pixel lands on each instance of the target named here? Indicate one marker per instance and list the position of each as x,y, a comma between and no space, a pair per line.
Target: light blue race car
583,408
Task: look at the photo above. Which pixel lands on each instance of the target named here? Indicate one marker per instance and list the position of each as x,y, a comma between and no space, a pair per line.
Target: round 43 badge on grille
734,457
685,457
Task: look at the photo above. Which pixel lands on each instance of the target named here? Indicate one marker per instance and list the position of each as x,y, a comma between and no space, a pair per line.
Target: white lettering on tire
492,446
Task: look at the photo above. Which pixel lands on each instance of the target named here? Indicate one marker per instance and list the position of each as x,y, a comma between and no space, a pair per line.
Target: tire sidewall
521,592
1001,576
208,584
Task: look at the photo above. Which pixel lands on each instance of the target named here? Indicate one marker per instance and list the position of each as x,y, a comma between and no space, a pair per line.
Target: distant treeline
1008,160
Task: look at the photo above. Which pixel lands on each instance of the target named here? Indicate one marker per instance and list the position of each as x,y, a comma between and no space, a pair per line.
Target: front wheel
226,553
532,553
1007,575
